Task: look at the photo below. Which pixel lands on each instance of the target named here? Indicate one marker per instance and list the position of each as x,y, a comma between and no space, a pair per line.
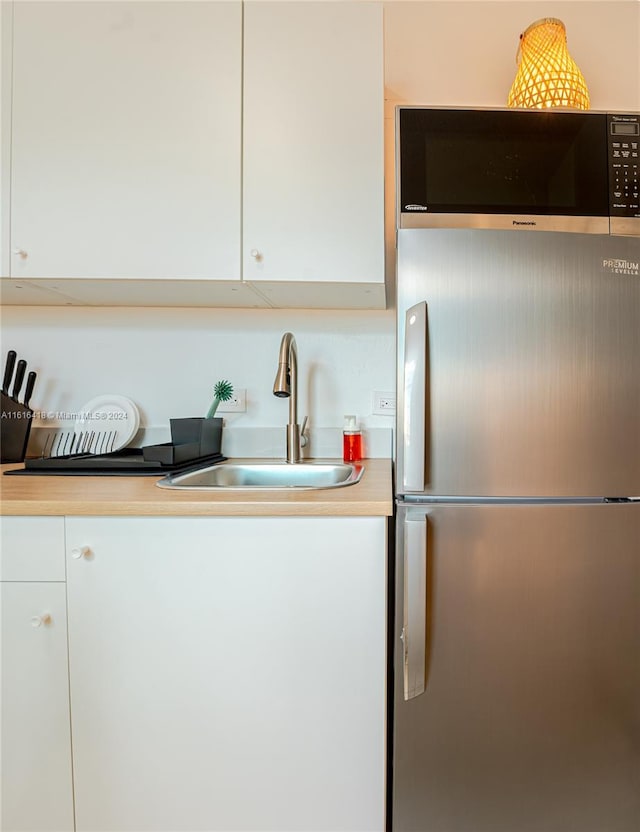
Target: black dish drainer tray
127,462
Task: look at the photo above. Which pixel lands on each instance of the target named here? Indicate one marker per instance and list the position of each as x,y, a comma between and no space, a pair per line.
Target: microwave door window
504,162
499,174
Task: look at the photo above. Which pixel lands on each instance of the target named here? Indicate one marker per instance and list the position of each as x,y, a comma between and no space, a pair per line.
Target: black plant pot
206,432
190,439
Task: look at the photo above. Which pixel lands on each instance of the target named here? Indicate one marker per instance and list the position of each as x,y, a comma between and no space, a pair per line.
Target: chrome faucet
286,386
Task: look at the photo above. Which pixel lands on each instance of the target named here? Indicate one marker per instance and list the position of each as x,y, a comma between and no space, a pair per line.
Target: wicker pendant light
547,75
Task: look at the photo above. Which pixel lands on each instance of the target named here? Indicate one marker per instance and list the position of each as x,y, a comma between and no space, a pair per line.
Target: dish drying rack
76,443
195,442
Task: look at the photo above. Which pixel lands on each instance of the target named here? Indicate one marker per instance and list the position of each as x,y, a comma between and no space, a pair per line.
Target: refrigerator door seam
412,499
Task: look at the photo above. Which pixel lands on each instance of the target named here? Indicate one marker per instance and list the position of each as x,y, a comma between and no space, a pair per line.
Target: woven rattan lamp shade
547,75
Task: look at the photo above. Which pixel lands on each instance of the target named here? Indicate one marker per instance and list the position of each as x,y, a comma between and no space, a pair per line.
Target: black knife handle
8,370
28,390
20,370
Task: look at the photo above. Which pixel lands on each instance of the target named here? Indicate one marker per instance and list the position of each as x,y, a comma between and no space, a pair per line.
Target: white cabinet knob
20,252
80,552
41,620
257,255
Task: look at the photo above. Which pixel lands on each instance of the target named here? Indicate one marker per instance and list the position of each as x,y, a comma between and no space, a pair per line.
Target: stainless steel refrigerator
517,637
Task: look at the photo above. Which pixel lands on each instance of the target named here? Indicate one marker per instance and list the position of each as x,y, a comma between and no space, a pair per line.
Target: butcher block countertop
140,497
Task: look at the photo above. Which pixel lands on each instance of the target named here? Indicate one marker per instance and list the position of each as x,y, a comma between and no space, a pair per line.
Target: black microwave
537,170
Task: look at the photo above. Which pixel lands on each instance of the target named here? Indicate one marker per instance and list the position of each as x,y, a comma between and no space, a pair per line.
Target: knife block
15,427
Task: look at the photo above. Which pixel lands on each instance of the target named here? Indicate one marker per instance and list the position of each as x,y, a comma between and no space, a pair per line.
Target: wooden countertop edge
139,497
271,509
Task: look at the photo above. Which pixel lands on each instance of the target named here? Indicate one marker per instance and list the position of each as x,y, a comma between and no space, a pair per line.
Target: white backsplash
167,361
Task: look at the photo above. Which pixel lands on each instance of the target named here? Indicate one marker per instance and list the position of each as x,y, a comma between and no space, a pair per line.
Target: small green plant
222,392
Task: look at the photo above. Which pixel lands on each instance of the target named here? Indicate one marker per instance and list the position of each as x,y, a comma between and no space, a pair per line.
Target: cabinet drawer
32,549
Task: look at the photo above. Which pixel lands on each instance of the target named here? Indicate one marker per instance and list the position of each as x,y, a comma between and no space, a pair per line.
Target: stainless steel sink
259,475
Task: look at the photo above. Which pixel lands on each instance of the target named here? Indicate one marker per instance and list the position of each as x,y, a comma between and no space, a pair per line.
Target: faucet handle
304,437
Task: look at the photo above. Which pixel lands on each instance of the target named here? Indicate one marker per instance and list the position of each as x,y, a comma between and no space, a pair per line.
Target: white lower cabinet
227,673
37,794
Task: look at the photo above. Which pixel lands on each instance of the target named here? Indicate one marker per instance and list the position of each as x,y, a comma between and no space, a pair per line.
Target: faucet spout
286,386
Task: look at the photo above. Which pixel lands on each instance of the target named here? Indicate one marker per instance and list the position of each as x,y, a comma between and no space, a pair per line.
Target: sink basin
258,475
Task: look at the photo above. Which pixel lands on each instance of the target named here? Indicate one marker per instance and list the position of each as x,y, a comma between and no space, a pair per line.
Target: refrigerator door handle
414,629
414,398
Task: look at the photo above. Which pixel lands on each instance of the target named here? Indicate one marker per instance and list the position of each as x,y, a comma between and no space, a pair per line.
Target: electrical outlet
384,404
236,404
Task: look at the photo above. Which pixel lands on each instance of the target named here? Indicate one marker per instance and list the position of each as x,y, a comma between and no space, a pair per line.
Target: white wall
463,53
167,360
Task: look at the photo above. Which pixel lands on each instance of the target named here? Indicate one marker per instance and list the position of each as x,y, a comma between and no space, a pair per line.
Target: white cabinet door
37,790
313,201
126,140
227,673
6,18
36,743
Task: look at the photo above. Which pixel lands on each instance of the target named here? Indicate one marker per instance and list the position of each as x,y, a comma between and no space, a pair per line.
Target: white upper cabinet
6,15
126,140
313,189
208,153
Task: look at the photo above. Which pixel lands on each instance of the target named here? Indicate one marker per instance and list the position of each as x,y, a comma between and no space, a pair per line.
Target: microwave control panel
623,136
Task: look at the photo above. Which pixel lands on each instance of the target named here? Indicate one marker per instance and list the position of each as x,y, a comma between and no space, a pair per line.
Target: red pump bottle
351,440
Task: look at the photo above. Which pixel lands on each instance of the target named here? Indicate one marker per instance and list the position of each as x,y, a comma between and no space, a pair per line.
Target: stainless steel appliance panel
525,222
530,716
532,357
538,170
